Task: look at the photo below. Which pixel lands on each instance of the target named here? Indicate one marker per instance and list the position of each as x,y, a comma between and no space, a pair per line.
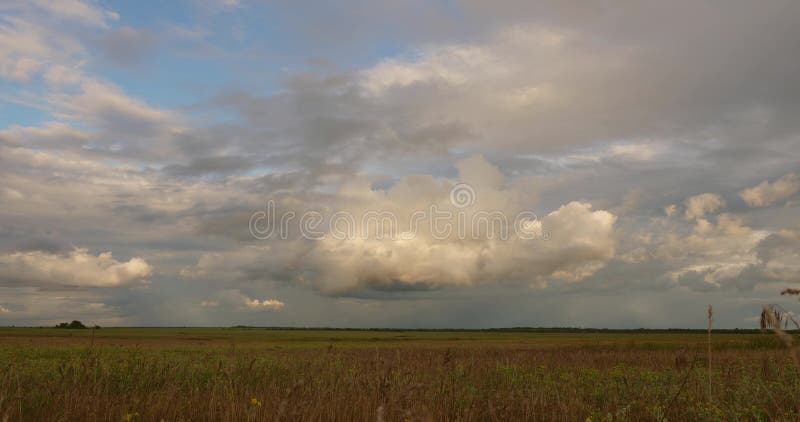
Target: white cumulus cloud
699,205
272,304
476,244
76,268
766,193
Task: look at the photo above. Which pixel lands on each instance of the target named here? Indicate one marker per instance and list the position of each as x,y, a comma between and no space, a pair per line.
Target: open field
258,374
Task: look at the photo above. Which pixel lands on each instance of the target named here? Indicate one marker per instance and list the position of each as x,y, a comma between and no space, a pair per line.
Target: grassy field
178,374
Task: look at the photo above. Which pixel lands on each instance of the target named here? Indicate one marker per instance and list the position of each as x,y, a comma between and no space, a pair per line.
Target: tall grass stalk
710,323
771,318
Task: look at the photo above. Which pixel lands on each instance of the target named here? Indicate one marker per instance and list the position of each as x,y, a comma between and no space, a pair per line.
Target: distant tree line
526,330
75,324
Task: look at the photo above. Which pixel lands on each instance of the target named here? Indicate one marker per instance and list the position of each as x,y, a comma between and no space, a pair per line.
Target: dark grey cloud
209,166
49,245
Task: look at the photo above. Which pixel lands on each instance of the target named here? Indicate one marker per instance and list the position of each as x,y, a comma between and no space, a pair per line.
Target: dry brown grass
615,380
710,324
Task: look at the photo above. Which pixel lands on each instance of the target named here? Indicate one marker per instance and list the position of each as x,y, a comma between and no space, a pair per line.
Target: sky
419,164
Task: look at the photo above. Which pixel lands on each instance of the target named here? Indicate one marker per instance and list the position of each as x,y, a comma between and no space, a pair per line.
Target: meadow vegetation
181,374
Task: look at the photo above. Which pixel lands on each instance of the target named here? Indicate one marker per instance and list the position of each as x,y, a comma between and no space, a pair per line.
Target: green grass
213,373
381,338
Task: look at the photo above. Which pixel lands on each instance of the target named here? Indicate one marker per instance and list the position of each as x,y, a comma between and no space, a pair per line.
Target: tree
73,324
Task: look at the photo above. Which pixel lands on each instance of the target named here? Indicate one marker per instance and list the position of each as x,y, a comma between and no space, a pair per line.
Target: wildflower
254,401
128,417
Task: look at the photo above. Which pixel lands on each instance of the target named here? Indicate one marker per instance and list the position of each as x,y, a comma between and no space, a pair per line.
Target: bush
73,324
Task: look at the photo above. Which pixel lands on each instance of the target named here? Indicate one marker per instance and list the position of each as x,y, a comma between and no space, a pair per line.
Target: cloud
766,193
26,46
55,135
635,152
763,260
523,92
217,6
234,299
582,241
75,269
106,106
19,68
697,206
77,10
127,46
4,310
60,75
603,129
48,307
703,253
267,304
210,166
122,126
779,256
550,85
33,47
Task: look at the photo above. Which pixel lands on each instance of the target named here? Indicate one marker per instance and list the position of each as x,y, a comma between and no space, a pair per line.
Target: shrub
73,324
